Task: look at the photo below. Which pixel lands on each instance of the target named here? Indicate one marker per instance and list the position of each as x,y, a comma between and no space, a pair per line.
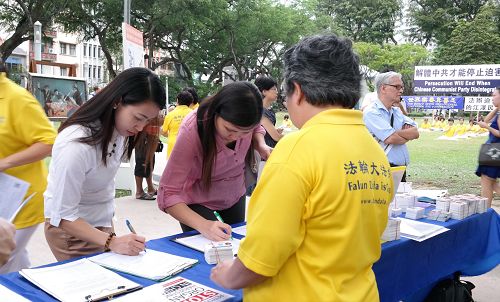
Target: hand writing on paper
130,244
216,230
7,243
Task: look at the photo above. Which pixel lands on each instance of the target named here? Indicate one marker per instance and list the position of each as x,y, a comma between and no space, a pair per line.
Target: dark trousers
234,214
404,175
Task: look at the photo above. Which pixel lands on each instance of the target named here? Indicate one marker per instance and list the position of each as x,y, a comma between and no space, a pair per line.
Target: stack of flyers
392,231
458,210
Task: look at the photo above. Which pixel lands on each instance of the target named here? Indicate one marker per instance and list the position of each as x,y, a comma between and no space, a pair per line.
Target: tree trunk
109,60
15,40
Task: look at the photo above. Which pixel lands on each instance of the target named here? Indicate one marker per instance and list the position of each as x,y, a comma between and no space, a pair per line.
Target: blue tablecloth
407,269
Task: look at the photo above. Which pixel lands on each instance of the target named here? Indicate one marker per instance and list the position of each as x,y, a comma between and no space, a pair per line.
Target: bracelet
108,241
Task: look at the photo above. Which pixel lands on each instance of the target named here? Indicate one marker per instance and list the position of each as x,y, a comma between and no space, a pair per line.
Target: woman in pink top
205,171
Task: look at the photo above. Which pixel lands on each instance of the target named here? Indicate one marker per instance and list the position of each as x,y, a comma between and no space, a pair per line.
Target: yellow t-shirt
317,214
425,125
22,124
449,131
287,123
172,123
476,128
461,129
195,106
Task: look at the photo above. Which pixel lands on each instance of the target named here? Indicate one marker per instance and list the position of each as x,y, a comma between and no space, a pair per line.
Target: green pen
217,215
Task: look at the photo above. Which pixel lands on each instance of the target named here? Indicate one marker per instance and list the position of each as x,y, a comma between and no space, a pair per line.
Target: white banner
478,103
133,49
458,72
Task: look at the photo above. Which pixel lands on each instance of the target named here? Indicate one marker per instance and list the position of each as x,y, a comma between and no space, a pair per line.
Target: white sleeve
71,160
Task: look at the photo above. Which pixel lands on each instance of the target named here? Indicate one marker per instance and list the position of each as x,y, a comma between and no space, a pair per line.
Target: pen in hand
131,228
217,215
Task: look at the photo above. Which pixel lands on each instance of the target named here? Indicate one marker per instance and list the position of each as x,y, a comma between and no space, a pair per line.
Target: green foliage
473,42
400,58
434,20
363,20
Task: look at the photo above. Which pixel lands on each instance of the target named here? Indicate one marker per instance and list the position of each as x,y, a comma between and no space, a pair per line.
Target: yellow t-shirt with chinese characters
172,123
22,124
317,214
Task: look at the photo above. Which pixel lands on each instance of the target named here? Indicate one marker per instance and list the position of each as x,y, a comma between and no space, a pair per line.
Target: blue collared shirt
378,121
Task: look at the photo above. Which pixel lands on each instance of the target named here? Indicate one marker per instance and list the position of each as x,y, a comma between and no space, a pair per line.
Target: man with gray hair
388,125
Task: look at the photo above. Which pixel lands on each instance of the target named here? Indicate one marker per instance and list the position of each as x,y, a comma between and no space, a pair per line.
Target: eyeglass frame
398,87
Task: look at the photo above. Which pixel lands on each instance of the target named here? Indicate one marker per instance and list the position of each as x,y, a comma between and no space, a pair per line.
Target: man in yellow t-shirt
26,138
173,120
319,209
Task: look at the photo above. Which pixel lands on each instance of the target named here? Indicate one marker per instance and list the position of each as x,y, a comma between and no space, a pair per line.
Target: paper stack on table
152,264
415,213
419,231
392,230
443,204
198,242
458,209
403,201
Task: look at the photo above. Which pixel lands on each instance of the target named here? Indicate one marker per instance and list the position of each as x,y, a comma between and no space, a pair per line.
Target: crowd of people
305,186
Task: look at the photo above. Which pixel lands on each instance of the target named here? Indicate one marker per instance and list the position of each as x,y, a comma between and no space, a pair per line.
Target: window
90,71
84,49
99,52
99,72
95,52
64,72
63,47
72,50
94,70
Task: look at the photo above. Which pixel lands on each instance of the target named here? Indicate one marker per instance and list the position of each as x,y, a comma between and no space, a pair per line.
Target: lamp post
37,48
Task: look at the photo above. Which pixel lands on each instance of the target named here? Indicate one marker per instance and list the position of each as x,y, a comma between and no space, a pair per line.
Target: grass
444,164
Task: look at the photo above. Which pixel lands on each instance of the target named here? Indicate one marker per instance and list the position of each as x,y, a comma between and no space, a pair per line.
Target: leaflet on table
176,289
241,230
9,296
80,280
152,264
198,242
13,191
419,231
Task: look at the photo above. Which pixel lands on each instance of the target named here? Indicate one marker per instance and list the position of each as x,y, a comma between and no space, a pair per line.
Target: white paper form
420,231
80,280
10,296
241,230
12,192
198,242
152,264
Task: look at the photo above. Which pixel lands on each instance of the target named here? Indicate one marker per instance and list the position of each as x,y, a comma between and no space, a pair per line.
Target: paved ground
152,223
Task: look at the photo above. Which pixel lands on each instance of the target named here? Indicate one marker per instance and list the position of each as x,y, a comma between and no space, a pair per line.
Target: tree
401,58
96,19
473,42
363,20
19,17
434,20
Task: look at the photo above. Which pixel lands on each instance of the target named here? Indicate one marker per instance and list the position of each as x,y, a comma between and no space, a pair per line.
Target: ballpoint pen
131,228
217,215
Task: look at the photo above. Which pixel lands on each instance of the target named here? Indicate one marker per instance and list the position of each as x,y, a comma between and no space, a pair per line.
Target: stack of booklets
459,210
392,230
177,289
153,265
80,280
419,231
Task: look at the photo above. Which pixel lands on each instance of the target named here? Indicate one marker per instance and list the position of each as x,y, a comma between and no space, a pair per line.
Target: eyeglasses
398,87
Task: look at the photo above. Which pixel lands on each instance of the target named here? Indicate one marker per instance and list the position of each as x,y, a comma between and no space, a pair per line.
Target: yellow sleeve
275,225
166,122
31,124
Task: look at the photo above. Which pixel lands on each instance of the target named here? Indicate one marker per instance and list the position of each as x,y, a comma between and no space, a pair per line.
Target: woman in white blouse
79,201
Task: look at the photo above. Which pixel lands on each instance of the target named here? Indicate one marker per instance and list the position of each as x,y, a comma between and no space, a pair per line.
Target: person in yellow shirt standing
196,99
316,216
174,119
26,138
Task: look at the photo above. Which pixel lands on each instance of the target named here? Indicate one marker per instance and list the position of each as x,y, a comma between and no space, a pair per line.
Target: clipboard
13,217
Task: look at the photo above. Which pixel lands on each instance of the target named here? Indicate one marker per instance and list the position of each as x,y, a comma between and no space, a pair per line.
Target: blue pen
217,215
131,228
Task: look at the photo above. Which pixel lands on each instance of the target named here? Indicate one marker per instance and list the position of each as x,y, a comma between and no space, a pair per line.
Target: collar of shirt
380,105
336,117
